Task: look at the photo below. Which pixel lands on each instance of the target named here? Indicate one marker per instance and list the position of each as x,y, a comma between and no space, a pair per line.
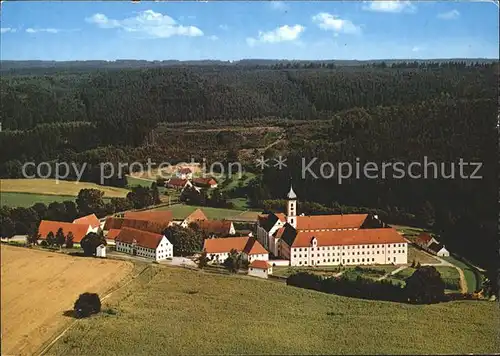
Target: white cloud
7,29
224,27
37,30
213,38
416,49
450,15
278,5
280,34
149,23
395,6
329,22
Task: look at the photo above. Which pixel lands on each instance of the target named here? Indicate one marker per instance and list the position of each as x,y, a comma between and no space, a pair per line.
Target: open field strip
37,287
53,187
180,211
179,311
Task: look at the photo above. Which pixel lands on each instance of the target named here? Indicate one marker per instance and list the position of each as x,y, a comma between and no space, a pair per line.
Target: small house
439,250
101,251
184,173
260,268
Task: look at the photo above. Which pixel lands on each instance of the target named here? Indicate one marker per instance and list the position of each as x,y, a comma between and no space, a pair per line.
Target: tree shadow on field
69,313
77,254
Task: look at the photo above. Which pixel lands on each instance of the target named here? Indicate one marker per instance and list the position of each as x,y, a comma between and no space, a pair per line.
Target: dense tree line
424,286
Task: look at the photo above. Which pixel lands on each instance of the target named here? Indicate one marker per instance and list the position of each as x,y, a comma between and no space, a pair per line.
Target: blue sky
235,30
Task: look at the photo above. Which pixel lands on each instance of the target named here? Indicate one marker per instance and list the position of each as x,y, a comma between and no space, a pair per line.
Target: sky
231,30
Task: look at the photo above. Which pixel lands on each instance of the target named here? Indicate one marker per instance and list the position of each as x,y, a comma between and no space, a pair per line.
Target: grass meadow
180,211
175,311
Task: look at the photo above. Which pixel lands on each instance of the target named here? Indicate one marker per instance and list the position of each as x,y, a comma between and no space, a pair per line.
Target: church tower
291,208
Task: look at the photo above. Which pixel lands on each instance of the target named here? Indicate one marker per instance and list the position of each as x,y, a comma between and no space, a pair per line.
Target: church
345,239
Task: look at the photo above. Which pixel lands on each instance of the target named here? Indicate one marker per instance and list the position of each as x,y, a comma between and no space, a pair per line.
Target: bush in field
86,305
425,286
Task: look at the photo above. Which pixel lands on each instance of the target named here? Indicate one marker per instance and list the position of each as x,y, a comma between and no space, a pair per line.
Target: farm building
197,215
425,240
144,244
178,183
111,236
184,173
78,230
216,228
218,249
91,220
439,250
207,182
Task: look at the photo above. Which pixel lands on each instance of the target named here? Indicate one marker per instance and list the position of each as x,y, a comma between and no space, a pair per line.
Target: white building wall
256,256
349,255
164,250
258,272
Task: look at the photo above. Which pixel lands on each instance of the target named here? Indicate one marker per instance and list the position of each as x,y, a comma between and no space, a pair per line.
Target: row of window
359,260
328,248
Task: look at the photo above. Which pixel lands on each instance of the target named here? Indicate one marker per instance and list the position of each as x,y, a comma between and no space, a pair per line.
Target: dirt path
397,270
463,282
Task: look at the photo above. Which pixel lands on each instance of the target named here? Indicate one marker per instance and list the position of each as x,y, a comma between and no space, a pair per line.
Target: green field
470,276
349,271
180,211
27,199
173,311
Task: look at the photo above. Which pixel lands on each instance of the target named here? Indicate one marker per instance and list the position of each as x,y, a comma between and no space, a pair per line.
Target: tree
33,238
121,204
50,239
140,197
71,210
90,242
186,241
89,201
233,262
86,305
7,227
69,240
203,260
60,238
425,285
155,193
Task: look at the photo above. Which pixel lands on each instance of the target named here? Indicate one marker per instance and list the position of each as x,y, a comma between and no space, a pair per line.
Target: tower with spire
291,208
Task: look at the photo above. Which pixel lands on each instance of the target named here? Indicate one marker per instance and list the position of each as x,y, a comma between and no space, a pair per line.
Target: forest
380,112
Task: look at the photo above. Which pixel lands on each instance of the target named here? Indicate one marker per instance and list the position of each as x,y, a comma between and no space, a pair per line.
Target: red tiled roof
260,264
112,234
185,170
176,182
162,217
214,226
113,223
317,222
241,244
281,216
205,181
349,237
91,220
424,238
78,230
198,214
141,238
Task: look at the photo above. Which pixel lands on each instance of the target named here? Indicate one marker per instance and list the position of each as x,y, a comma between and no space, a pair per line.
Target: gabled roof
204,181
349,237
113,223
221,227
112,234
436,247
246,244
91,220
260,264
318,222
424,238
141,238
78,230
177,182
268,221
185,170
198,214
162,216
